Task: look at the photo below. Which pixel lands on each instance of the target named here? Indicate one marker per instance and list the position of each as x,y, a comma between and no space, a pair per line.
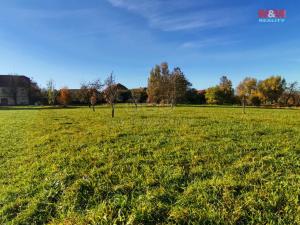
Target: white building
14,90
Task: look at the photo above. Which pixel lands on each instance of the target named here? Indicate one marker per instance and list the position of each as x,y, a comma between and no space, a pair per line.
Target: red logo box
272,13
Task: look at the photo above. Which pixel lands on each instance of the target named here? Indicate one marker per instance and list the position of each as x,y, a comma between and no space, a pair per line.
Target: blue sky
72,41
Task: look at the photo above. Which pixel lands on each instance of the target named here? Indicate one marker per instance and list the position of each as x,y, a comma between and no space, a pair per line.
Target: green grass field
154,165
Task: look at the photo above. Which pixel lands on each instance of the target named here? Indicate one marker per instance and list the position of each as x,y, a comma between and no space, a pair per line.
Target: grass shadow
35,107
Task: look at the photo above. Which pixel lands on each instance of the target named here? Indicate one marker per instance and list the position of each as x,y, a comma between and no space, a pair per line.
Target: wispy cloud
181,15
208,42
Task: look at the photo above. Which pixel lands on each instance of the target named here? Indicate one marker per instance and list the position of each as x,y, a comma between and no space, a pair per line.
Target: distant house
123,93
14,90
75,99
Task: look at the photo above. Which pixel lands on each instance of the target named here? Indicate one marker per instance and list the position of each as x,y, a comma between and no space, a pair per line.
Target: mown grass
188,165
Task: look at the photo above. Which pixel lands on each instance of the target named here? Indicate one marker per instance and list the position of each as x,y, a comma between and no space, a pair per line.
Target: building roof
121,87
14,80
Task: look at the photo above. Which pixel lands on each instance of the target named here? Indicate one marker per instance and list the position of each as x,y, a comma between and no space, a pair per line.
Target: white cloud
181,15
209,42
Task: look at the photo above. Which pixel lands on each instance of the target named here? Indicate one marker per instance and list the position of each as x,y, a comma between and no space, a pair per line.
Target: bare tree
94,88
138,95
290,91
111,92
51,93
89,92
134,97
93,101
246,89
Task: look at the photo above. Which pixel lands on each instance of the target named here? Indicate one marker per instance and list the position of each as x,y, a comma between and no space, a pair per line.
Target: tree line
166,87
170,87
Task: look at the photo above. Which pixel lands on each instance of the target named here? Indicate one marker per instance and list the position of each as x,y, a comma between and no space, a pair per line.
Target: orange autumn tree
64,97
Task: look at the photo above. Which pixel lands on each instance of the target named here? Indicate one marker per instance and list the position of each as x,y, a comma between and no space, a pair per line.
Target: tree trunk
244,105
135,105
287,100
112,110
173,103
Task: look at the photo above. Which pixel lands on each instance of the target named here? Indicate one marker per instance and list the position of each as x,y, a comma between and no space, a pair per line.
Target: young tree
111,92
94,89
51,93
138,95
135,97
89,92
64,97
246,89
93,100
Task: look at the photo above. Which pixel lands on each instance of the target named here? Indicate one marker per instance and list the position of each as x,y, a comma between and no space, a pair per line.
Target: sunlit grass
201,165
